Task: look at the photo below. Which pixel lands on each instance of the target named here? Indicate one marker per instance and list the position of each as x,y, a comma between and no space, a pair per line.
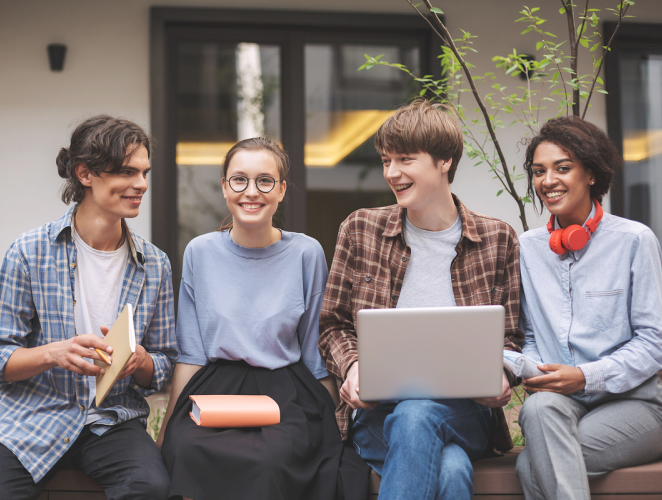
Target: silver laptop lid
430,353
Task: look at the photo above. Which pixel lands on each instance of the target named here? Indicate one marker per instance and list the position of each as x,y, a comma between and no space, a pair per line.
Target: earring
592,182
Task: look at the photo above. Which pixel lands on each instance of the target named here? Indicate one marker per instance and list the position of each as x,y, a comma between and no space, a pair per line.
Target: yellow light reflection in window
347,131
202,153
642,144
350,129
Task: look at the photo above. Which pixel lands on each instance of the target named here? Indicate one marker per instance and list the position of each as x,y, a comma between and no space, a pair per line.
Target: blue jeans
423,448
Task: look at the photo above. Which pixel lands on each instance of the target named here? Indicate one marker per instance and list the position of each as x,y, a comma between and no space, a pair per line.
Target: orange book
220,410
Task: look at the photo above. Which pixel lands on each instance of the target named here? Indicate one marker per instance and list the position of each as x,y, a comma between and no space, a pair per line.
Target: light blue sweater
260,305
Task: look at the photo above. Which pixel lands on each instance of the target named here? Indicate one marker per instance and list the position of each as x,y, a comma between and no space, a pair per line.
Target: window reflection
641,118
344,110
226,93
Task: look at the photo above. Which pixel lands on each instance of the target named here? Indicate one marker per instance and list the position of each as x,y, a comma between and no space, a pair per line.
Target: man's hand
69,354
562,380
498,401
349,391
140,361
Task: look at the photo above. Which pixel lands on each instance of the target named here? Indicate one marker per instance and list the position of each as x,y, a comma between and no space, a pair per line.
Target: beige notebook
122,338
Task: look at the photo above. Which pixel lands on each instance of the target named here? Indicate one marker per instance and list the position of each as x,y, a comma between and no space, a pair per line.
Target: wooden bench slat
495,478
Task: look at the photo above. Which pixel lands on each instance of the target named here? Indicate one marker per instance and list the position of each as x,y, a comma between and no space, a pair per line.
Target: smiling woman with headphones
591,309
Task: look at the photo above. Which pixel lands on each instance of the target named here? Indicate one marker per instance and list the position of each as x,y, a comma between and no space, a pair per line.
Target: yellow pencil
105,358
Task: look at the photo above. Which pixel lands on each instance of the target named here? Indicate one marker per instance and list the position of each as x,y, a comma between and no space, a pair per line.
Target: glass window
225,93
641,122
344,109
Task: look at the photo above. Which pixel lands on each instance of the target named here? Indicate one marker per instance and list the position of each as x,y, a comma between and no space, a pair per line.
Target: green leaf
499,193
562,10
436,10
584,42
418,4
602,91
539,45
422,92
599,80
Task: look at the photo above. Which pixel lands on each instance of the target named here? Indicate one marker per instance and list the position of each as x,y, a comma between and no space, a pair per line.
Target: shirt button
74,301
82,408
73,266
367,279
66,440
493,289
394,297
404,259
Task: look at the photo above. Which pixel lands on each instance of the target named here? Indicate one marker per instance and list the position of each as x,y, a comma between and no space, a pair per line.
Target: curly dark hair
101,143
586,142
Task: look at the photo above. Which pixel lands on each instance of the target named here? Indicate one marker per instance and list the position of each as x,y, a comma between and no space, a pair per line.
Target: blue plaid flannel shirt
40,418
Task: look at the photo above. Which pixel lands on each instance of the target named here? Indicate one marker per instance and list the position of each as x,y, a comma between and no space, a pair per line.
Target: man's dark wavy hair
103,143
586,142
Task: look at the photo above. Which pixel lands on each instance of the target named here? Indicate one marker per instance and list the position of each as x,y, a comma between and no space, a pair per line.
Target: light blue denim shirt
41,417
599,308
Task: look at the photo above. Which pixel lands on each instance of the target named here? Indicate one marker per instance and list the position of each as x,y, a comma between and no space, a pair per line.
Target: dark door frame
290,29
629,38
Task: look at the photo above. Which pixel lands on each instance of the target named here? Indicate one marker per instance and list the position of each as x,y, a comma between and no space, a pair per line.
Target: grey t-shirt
427,281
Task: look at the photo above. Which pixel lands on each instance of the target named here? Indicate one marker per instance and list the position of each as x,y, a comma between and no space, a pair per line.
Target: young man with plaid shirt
429,250
61,287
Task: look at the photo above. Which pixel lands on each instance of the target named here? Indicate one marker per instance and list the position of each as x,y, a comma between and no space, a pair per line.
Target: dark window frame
630,37
294,29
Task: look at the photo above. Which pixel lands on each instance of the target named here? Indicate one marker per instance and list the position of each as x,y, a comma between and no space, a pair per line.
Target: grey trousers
568,443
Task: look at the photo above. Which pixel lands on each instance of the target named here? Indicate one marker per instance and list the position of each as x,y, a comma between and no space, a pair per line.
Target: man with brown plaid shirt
426,251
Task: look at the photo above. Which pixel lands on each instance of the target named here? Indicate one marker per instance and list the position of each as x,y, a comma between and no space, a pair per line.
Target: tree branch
572,40
621,14
438,27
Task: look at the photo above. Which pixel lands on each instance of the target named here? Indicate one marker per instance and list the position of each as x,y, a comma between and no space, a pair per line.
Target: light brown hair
257,144
423,127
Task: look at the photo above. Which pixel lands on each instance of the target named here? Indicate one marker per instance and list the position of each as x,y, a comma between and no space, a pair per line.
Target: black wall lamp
527,57
56,53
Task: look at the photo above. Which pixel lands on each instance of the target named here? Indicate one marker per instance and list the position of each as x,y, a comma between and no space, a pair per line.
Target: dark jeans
124,461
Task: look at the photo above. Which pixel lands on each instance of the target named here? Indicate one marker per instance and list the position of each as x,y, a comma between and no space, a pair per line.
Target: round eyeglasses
263,183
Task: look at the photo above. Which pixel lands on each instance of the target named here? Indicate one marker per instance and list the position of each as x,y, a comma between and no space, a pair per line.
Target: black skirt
302,457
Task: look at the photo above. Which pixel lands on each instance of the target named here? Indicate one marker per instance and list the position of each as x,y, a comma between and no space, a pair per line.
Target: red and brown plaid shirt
369,268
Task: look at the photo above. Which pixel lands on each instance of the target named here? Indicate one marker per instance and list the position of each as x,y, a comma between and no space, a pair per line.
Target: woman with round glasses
248,315
591,310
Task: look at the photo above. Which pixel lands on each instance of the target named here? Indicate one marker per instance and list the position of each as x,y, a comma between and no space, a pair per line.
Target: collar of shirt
67,220
395,224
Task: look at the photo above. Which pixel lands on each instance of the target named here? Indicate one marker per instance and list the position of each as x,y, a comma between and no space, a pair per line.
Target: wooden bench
495,479
70,484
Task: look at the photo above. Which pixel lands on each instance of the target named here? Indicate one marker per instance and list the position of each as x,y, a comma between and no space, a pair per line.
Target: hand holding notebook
122,338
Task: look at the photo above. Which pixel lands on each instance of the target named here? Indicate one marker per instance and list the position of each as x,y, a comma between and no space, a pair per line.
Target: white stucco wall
107,71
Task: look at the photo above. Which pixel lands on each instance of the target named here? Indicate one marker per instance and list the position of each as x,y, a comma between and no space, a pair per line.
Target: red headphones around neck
573,237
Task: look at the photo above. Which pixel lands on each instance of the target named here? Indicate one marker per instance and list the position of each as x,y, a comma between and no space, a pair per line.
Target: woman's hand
562,379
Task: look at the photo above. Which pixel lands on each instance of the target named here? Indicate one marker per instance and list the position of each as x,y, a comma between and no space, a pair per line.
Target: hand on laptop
349,391
499,400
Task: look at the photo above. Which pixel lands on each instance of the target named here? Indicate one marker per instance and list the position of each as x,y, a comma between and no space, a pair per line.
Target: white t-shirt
427,281
98,281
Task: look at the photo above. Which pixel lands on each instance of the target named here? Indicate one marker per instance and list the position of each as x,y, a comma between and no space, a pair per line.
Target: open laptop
430,353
